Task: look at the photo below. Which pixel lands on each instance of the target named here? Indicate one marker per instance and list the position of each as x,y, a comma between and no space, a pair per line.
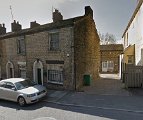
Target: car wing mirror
14,89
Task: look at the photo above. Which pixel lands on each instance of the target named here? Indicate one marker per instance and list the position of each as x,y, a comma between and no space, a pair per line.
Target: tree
107,39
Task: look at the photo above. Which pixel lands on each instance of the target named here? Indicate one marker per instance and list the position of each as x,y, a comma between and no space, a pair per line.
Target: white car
21,90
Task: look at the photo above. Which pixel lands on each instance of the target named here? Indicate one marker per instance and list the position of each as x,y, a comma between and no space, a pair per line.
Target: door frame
37,64
8,66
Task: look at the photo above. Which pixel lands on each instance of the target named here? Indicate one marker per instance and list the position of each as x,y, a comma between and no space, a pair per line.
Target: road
50,111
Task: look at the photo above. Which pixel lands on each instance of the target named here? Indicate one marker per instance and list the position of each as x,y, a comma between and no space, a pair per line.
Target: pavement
55,96
108,84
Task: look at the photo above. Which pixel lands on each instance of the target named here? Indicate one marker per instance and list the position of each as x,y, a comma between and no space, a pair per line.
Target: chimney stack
2,29
57,16
88,11
34,24
15,27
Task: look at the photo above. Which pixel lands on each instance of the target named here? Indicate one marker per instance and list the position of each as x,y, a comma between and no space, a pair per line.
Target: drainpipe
75,75
25,53
73,60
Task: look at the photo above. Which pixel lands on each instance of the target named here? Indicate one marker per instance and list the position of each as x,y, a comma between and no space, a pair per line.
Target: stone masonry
112,53
78,53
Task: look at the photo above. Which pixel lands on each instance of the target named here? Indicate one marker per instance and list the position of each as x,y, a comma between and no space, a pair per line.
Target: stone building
110,58
56,54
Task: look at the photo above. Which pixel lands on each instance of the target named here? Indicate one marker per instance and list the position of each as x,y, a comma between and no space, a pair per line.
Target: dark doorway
39,76
10,73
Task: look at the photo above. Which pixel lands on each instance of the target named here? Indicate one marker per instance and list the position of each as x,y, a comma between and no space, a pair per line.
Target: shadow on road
92,112
14,105
82,110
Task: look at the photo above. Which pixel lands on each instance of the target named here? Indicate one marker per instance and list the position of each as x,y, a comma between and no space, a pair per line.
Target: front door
39,76
11,76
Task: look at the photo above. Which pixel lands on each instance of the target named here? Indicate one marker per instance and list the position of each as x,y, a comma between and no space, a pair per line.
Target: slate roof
111,47
45,27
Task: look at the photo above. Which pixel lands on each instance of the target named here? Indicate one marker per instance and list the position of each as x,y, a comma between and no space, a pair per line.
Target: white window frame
107,65
58,76
130,59
50,39
20,45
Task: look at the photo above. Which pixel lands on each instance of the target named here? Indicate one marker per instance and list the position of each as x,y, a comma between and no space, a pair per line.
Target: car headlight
31,95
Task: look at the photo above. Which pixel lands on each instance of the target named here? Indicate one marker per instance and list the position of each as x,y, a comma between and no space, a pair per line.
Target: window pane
21,45
110,64
2,84
9,85
54,41
130,58
104,64
55,76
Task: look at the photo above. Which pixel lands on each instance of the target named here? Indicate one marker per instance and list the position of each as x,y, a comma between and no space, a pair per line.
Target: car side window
9,85
2,84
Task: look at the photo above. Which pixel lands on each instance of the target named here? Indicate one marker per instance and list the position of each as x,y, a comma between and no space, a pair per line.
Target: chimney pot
15,26
57,16
2,29
3,25
34,24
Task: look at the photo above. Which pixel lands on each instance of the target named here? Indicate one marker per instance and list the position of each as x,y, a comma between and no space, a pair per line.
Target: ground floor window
107,66
55,76
23,73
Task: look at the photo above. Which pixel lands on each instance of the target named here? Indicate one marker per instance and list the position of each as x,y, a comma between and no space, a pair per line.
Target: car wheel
21,101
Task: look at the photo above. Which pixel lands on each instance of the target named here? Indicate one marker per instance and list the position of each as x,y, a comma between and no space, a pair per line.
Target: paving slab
54,95
108,84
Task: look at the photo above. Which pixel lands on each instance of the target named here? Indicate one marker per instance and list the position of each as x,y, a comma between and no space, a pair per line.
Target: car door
2,93
10,92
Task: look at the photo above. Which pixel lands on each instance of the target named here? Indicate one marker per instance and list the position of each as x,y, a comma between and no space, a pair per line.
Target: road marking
45,118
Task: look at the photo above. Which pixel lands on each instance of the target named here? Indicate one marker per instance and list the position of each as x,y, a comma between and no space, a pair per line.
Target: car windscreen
24,84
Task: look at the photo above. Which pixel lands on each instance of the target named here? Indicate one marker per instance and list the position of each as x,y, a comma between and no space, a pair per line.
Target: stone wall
87,50
40,50
79,50
111,56
9,53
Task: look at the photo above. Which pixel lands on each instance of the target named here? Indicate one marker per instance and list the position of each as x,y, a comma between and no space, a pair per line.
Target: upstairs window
21,45
54,41
130,59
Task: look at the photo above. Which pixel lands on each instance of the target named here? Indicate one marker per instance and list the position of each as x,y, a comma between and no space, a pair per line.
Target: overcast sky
110,16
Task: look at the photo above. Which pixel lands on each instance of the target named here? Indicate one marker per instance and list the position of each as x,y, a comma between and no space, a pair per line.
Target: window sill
58,83
54,51
21,54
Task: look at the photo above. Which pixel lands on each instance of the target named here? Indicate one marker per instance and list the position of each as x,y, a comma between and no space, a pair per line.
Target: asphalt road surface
50,111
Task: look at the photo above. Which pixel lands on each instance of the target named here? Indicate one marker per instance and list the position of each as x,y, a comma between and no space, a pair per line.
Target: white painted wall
135,36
